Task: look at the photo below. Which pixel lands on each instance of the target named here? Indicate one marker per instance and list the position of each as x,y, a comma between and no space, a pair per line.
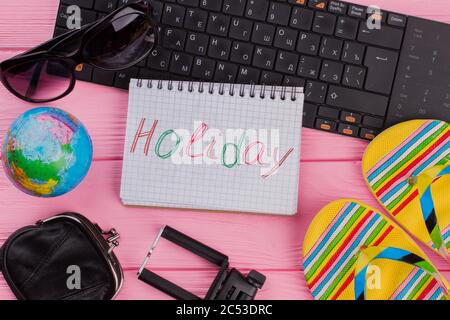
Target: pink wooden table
330,169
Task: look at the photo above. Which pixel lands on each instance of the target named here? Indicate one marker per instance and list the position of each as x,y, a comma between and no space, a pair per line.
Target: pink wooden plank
286,285
272,244
281,285
252,241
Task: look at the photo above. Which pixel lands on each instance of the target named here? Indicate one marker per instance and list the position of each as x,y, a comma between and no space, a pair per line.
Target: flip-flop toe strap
368,255
423,182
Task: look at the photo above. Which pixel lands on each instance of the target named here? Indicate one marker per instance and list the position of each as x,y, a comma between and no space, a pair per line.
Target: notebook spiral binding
223,88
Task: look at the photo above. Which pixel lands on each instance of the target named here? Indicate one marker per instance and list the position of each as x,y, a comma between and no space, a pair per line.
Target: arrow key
326,125
348,130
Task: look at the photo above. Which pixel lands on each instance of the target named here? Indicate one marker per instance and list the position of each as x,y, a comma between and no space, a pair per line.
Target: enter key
381,65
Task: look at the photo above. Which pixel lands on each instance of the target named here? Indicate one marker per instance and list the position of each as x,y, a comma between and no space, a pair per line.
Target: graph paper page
225,148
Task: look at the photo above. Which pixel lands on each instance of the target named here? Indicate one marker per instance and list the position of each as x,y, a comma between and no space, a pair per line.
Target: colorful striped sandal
407,167
351,252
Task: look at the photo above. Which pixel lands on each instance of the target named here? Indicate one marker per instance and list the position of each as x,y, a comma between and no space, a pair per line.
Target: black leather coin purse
63,257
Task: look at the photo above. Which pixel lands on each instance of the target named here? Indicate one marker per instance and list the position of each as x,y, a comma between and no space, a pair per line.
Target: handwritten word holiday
205,145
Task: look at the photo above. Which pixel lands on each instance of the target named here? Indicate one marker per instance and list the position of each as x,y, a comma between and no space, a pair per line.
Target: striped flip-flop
407,168
350,251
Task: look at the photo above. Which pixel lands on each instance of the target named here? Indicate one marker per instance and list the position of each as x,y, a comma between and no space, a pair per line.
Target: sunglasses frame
48,50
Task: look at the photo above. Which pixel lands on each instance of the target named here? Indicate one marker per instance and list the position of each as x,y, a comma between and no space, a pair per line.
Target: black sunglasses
116,42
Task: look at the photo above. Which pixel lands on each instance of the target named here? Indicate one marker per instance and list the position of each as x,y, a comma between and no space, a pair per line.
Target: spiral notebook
219,147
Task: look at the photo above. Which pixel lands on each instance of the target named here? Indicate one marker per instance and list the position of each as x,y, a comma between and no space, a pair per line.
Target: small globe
46,152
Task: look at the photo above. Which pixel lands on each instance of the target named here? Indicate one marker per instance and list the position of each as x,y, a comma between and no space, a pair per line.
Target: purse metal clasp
112,239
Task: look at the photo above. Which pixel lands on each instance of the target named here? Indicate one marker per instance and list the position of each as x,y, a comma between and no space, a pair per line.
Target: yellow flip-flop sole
332,249
394,160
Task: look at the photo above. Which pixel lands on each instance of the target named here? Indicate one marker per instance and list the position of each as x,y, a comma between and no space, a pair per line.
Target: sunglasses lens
123,41
40,80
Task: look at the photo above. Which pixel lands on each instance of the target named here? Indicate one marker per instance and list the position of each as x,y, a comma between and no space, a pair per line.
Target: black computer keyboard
357,80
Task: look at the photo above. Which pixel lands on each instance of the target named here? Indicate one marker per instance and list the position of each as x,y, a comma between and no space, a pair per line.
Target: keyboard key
271,78
248,75
191,3
328,112
331,71
264,58
197,43
88,4
196,19
174,38
285,38
396,20
353,53
173,15
143,62
225,72
286,62
157,8
263,34
315,92
351,117
354,77
326,125
357,100
218,24
348,130
159,59
357,11
203,68
368,134
121,3
105,5
240,29
388,37
301,18
331,48
214,5
347,28
234,7
83,72
337,7
242,52
309,114
181,63
373,122
375,16
291,81
219,48
318,4
308,43
122,78
324,23
257,9
103,77
381,66
279,13
309,67
153,74
298,2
